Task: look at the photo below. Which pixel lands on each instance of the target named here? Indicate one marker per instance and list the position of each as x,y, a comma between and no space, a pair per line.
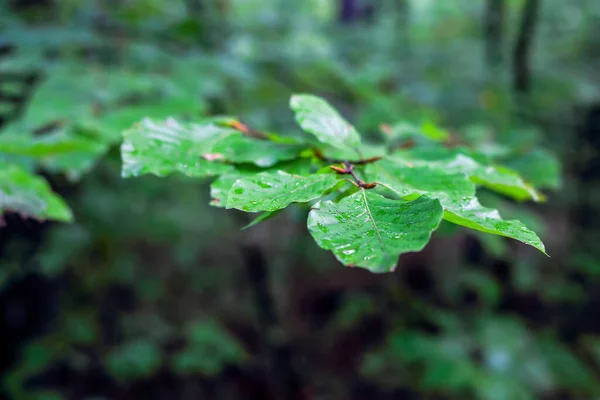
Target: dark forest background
152,294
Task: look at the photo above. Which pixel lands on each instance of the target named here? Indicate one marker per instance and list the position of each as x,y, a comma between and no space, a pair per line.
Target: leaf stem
322,157
349,170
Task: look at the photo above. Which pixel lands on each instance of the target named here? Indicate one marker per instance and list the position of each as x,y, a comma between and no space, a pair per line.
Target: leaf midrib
385,254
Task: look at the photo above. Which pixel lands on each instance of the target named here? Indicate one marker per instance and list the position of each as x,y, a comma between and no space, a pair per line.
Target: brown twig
322,157
349,170
243,128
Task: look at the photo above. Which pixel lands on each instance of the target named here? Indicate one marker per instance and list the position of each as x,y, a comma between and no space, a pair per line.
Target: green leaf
540,167
371,231
366,151
263,153
434,132
219,189
499,387
59,152
317,117
567,369
48,146
134,360
270,191
478,169
471,214
164,147
210,349
261,218
30,195
456,194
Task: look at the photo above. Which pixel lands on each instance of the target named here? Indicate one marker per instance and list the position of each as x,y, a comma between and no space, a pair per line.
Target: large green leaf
30,195
478,169
456,194
371,231
164,147
270,191
316,116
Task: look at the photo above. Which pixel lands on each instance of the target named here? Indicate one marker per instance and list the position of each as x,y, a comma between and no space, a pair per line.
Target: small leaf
209,350
434,132
270,191
317,117
30,195
456,194
134,360
262,218
371,231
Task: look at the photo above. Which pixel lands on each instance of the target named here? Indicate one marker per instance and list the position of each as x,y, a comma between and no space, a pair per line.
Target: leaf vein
385,254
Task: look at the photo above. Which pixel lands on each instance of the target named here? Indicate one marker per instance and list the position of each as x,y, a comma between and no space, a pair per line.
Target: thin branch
494,32
522,50
322,157
349,170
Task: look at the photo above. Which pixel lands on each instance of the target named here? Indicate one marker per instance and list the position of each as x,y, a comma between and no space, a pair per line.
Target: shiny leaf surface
497,178
370,231
30,195
164,147
238,148
317,117
456,194
270,191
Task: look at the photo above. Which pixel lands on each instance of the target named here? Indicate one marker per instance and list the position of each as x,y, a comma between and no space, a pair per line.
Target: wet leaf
164,147
261,218
22,192
270,191
317,117
239,148
497,178
456,194
219,189
370,231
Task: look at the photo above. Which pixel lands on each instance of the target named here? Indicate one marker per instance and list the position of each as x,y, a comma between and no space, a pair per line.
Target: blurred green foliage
151,291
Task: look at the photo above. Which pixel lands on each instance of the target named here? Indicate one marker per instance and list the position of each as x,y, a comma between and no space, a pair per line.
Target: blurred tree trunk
494,32
210,15
522,49
283,378
403,14
351,11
